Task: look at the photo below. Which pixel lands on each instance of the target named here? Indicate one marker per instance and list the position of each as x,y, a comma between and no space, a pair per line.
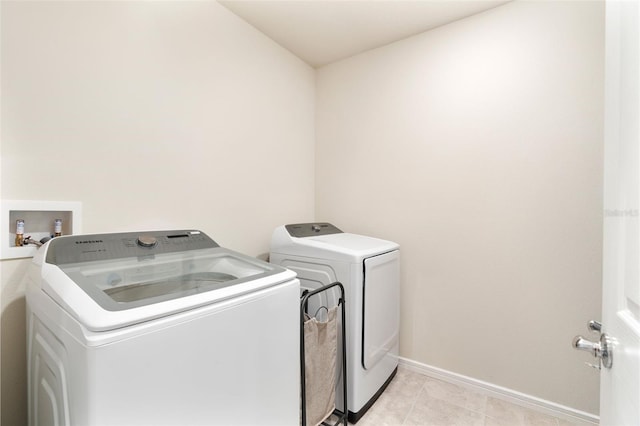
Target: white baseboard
505,394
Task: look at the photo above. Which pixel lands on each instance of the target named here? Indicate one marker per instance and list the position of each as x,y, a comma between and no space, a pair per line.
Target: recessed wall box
39,220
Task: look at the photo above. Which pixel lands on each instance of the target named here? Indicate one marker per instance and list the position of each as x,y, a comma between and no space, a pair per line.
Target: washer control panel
147,241
89,248
301,230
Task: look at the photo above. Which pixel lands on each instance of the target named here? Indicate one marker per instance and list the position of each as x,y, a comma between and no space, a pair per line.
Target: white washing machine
160,328
369,269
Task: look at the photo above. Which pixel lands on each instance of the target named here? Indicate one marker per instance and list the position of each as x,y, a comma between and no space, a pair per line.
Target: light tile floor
415,399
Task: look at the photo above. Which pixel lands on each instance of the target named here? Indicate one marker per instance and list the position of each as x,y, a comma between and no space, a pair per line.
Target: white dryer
369,270
160,328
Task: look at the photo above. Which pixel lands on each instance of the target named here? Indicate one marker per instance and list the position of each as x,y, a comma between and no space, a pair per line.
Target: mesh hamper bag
320,352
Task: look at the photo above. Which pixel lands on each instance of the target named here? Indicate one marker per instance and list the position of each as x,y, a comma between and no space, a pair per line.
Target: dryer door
381,308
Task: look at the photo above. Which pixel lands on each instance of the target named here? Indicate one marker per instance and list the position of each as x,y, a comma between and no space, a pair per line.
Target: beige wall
478,147
153,115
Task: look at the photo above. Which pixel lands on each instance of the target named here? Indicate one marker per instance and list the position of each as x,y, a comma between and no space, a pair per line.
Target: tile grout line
415,401
483,411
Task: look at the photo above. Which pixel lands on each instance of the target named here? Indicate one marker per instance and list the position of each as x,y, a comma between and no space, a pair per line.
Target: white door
620,384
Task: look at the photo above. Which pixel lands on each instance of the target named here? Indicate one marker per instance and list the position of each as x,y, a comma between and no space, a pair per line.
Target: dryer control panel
301,230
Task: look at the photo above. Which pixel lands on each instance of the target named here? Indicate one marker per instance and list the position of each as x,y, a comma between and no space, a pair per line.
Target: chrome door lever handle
583,344
600,350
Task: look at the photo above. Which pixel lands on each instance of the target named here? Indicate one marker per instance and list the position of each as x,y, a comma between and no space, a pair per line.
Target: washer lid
109,281
133,282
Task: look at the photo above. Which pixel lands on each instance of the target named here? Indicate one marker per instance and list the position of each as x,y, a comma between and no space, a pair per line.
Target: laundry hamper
318,361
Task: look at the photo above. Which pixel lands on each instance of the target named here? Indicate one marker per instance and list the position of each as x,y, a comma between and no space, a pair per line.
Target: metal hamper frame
342,416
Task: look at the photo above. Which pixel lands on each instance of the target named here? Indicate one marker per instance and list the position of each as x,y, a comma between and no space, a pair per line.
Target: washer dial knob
147,241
